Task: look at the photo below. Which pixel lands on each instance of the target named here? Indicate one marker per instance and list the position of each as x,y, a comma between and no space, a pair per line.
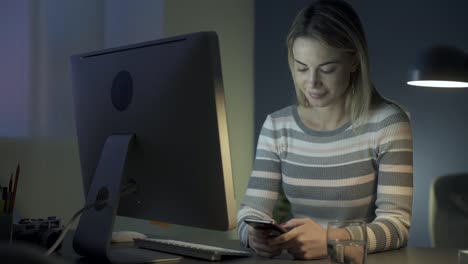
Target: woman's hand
260,242
306,239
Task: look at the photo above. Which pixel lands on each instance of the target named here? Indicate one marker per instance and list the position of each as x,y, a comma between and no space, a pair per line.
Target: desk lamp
441,66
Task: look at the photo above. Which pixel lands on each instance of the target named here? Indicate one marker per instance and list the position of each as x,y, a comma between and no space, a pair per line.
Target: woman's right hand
259,242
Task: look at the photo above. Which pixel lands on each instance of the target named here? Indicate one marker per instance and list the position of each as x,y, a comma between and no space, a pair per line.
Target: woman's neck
323,119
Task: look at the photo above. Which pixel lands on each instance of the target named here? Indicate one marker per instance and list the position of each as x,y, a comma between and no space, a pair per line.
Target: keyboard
189,249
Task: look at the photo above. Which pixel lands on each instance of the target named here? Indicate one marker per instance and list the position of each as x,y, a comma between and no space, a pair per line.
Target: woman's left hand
305,239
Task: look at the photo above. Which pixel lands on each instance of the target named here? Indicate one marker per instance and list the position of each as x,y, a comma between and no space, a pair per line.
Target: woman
342,152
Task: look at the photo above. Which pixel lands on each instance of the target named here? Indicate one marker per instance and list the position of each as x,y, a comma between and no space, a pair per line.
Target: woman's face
322,73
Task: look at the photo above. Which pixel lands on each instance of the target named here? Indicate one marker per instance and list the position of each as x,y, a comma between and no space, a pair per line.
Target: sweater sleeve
264,183
394,149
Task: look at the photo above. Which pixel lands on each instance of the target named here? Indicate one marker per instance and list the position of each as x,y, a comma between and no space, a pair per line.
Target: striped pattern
365,173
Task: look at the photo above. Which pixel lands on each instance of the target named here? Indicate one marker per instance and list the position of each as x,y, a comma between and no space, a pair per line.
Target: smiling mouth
316,94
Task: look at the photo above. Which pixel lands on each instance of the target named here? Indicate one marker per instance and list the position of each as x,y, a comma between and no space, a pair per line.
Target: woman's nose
313,78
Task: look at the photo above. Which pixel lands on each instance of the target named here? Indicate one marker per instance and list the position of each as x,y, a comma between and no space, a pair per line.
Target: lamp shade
440,66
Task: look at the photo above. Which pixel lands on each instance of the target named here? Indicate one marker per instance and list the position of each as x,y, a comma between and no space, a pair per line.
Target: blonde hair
337,24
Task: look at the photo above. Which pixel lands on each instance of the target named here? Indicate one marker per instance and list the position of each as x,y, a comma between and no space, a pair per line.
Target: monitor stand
94,231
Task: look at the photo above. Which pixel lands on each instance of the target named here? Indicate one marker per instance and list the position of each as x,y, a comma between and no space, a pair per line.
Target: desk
401,256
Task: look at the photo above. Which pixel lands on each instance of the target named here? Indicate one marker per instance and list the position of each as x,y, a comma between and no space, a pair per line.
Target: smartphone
267,225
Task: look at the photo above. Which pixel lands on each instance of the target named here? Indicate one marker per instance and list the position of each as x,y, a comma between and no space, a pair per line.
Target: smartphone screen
267,225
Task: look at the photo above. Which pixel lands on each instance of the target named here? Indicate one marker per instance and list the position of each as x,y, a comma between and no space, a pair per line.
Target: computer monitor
153,114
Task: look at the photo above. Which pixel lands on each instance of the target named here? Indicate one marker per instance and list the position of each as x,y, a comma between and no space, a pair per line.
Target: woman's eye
301,69
328,70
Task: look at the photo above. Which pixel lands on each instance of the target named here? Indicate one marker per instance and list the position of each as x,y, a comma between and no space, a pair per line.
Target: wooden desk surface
401,256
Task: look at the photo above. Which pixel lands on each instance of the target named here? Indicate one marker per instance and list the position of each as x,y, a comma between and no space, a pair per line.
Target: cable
127,189
70,222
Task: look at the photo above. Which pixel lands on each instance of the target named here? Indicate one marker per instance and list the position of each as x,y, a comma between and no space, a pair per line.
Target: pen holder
6,228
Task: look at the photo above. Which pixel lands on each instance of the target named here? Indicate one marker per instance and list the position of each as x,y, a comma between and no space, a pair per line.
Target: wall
47,32
58,29
14,68
396,31
127,22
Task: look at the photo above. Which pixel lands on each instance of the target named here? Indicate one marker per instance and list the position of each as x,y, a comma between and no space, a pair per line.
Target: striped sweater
366,173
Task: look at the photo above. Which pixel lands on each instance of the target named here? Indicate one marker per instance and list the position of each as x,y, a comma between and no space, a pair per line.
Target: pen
15,188
5,198
2,202
10,183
